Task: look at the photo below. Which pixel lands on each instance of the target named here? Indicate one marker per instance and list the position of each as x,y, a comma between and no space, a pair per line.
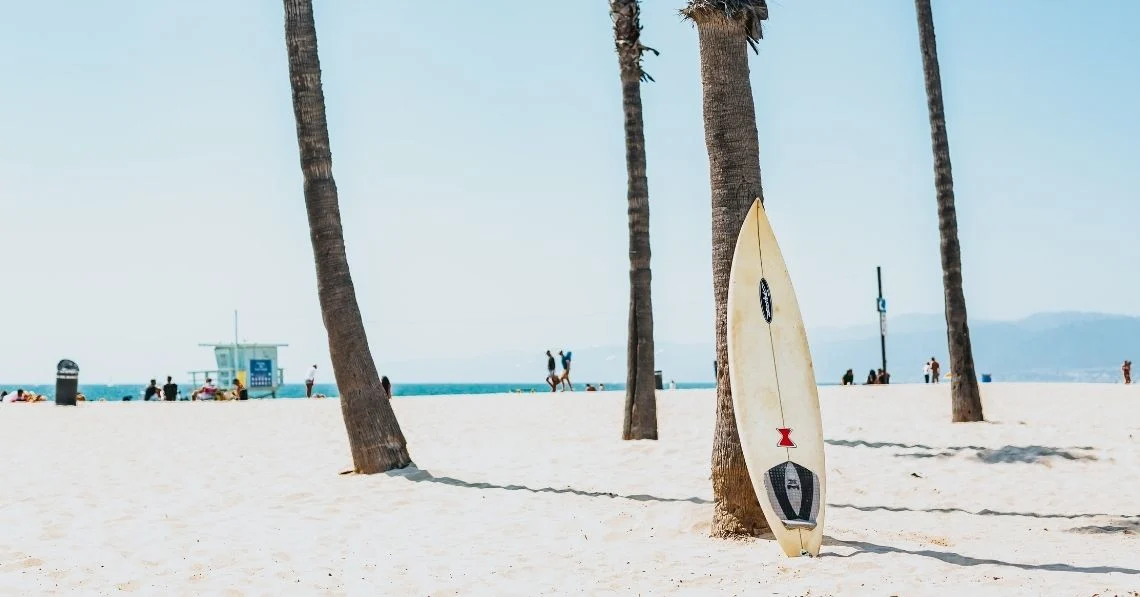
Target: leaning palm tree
726,28
640,388
374,435
966,399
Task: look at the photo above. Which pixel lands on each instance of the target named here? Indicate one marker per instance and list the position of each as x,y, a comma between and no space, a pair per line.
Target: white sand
536,495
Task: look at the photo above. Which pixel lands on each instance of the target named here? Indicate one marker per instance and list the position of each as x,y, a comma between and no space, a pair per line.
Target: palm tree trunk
374,435
640,390
966,398
734,171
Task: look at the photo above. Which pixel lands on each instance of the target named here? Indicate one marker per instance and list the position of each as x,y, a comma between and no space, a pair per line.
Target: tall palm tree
374,435
966,398
724,27
640,388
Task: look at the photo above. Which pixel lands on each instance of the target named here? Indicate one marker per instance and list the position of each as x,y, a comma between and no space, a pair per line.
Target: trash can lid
66,366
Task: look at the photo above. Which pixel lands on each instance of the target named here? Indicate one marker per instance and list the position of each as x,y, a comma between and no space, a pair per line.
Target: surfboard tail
793,491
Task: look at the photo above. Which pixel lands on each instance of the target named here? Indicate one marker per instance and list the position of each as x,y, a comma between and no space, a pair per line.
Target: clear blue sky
480,159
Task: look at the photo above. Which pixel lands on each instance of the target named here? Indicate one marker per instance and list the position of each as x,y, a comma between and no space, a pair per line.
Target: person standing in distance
312,378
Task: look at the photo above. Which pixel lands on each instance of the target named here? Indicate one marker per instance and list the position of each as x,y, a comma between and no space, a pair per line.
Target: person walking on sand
551,376
170,390
1126,369
565,379
309,381
926,369
935,370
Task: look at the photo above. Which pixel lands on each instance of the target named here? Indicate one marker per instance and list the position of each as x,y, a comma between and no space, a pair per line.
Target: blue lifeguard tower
255,364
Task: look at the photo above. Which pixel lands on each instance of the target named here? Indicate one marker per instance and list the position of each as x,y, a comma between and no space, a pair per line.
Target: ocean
135,391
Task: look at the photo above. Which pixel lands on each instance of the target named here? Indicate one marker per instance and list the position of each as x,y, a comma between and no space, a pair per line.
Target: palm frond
626,15
750,14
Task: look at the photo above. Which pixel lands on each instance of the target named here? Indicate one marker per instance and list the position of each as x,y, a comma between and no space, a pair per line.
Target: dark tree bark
640,420
374,435
965,395
726,28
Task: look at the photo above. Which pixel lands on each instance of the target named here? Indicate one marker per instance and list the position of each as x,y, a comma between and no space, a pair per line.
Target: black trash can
66,382
657,380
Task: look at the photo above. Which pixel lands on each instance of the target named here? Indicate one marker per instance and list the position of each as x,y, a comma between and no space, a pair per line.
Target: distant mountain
1067,346
1063,346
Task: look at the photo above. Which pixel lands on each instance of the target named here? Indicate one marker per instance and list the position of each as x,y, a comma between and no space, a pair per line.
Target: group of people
873,377
931,373
553,379
209,391
21,396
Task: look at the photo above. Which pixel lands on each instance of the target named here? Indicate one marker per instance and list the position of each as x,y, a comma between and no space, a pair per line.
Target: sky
150,183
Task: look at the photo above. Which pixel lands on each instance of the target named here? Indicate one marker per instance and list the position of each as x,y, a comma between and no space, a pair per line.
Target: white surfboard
774,391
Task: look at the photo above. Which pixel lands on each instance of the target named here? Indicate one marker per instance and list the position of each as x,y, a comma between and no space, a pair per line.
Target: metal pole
234,362
882,308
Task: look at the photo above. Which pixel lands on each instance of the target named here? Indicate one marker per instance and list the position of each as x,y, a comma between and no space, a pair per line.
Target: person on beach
17,396
1126,369
872,378
309,381
551,376
170,389
387,385
565,378
240,391
935,370
883,377
206,392
151,391
926,369
848,378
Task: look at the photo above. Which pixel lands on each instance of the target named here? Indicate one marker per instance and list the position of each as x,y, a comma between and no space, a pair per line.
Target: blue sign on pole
260,373
881,303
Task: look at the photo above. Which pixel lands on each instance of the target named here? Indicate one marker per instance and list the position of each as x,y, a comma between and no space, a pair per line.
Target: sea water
135,391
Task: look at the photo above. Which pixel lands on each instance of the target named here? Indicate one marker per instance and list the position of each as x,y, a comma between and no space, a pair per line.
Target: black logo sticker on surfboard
766,300
793,491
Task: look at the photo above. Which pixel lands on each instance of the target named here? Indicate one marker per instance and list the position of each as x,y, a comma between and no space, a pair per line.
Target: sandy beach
537,495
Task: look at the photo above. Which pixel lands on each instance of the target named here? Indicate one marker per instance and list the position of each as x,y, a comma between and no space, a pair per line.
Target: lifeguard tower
254,364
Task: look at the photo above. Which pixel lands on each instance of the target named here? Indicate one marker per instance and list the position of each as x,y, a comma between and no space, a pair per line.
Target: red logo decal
786,438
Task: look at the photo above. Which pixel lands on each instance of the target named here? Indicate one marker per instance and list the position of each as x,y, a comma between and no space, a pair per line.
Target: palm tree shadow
417,475
1005,454
985,512
957,559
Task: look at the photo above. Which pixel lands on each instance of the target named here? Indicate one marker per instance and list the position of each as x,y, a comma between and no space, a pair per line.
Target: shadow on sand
1125,525
957,559
986,512
1006,454
421,476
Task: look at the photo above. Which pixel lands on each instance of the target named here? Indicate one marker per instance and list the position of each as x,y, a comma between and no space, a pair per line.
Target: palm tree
640,389
724,27
374,435
966,399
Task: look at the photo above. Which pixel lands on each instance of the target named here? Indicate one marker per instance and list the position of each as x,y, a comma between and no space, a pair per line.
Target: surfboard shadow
957,559
417,475
986,512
